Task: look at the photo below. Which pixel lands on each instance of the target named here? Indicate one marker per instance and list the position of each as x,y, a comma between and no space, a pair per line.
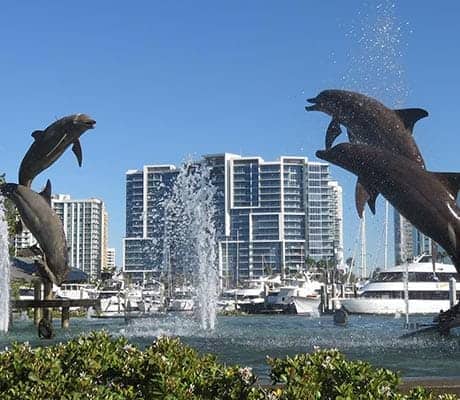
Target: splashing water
190,237
4,271
375,63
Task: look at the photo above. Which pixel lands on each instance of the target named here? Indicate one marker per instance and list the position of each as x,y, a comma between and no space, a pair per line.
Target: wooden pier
63,304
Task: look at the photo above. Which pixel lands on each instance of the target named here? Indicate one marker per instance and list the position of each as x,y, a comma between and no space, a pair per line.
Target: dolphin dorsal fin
410,116
36,134
451,180
46,192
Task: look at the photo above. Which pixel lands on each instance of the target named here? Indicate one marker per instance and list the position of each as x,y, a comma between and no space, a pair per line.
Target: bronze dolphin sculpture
51,143
426,199
369,122
45,225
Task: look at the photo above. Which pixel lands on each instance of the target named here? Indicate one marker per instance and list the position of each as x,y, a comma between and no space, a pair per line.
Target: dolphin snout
85,120
314,107
320,154
91,123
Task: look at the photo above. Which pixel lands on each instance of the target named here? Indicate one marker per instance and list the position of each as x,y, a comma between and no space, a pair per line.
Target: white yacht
300,295
182,300
385,294
153,296
252,291
77,291
112,303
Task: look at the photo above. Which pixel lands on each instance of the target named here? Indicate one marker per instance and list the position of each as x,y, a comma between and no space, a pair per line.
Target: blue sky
165,80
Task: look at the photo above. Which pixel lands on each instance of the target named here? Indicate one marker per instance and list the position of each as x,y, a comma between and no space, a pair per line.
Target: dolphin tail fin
410,116
364,195
451,180
76,148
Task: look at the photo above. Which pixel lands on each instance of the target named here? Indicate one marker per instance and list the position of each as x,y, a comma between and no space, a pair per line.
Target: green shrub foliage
99,366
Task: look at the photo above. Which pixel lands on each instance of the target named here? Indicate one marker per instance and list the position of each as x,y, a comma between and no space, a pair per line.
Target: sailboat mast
385,252
363,247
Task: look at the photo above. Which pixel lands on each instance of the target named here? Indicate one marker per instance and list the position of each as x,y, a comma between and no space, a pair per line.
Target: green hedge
98,366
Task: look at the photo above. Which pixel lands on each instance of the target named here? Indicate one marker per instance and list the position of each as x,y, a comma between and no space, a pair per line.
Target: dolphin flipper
364,195
351,136
410,116
76,148
333,130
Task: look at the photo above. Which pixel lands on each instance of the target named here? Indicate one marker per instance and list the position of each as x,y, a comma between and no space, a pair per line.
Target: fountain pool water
248,340
4,271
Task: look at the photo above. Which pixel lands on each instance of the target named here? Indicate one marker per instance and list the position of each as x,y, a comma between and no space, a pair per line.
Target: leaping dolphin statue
426,199
45,225
369,122
51,143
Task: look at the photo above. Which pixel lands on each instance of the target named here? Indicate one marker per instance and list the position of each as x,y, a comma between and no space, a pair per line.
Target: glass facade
143,245
270,215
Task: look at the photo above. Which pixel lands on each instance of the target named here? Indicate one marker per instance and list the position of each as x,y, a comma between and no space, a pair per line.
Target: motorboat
118,300
152,294
77,291
427,288
182,300
251,294
26,293
300,294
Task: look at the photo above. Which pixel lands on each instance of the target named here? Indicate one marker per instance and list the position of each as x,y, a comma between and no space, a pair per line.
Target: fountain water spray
4,271
375,63
190,237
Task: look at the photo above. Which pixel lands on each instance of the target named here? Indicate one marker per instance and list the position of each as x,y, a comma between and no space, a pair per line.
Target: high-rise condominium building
85,227
110,258
410,242
270,216
337,218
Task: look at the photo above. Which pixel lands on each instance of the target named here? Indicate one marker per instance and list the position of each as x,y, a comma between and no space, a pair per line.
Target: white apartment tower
85,226
337,220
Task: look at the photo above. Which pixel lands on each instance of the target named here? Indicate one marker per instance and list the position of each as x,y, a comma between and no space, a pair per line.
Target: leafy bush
327,374
98,366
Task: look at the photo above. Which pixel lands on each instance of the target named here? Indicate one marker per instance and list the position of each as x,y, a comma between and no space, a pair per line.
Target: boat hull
392,306
306,306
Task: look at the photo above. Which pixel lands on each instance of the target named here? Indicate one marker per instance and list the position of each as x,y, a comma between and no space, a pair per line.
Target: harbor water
248,340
